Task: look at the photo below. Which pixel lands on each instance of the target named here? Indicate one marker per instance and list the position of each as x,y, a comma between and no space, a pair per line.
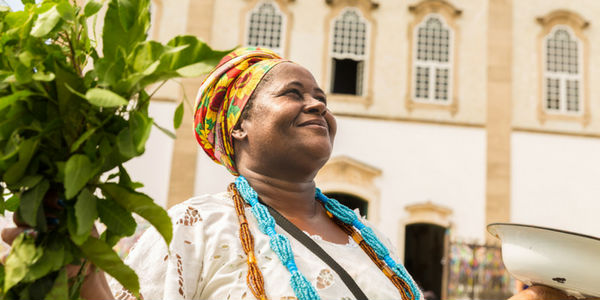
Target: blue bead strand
347,216
278,243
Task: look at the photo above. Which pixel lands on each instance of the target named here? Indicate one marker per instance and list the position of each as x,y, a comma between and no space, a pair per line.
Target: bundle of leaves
68,114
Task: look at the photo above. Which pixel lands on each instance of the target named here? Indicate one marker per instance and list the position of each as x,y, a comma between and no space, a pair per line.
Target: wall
419,163
555,182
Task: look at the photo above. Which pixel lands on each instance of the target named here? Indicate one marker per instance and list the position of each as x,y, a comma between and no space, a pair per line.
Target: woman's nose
315,106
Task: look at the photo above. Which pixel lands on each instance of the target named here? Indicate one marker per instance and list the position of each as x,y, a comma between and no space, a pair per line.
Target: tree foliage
68,114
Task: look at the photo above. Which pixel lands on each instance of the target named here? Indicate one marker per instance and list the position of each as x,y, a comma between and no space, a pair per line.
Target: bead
281,245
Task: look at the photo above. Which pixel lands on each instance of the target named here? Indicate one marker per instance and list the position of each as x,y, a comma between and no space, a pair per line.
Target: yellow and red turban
223,96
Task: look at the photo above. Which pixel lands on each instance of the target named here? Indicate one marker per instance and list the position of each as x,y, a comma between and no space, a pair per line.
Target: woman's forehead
289,73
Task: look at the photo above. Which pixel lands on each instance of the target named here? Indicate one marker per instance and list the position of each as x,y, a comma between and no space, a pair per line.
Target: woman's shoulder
209,209
206,203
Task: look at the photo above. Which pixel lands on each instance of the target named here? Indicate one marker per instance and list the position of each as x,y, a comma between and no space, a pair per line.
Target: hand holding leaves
62,127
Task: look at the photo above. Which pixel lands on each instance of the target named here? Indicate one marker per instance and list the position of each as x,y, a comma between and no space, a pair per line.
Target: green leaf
2,278
28,181
52,259
31,200
178,117
195,70
66,11
125,25
115,217
78,171
23,74
110,237
145,54
110,71
12,98
142,205
60,289
151,68
104,257
72,90
82,139
26,150
128,13
104,98
41,76
12,203
197,51
45,22
16,19
141,126
22,255
85,212
91,8
25,57
125,144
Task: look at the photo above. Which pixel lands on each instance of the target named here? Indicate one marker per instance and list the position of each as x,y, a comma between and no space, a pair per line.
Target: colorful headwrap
223,96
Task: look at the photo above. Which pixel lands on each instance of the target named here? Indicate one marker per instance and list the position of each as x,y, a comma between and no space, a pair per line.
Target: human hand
94,284
541,292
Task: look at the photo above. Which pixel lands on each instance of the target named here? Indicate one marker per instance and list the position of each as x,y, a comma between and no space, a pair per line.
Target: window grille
349,47
432,62
266,26
562,73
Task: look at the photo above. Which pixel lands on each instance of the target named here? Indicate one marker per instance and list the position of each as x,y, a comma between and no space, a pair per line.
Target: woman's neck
292,198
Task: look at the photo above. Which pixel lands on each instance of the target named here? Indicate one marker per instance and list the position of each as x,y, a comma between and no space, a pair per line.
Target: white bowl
564,260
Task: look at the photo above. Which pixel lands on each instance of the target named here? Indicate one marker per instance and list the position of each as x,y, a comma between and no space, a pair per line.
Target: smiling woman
274,234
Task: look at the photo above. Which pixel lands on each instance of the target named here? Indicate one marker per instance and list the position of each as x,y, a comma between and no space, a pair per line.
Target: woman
266,120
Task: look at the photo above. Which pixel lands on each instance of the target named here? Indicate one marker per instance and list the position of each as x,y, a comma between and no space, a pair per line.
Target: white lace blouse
206,260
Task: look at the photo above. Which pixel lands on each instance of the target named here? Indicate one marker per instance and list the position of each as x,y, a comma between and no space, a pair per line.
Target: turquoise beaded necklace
280,244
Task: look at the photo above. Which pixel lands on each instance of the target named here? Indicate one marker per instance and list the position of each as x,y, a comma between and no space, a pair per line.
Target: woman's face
289,119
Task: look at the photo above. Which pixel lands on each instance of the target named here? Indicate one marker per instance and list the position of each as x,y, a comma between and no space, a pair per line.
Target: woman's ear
239,133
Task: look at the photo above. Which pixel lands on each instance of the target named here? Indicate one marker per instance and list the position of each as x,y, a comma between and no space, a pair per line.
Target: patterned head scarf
223,96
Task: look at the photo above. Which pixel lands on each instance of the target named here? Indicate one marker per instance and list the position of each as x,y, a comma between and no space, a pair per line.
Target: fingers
10,234
541,292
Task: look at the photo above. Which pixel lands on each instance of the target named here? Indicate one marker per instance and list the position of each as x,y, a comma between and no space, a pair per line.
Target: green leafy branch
70,112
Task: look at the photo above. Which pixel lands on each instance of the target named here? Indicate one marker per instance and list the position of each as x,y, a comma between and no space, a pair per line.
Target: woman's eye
295,93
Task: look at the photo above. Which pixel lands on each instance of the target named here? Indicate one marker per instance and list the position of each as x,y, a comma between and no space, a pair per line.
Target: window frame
574,25
364,9
563,77
360,59
448,15
286,24
433,65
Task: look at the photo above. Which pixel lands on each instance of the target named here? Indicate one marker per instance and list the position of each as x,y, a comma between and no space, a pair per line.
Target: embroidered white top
206,259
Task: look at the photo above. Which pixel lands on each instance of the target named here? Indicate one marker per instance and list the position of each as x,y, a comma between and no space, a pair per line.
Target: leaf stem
74,294
157,88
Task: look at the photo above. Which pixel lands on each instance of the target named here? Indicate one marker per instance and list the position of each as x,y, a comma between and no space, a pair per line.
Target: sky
14,4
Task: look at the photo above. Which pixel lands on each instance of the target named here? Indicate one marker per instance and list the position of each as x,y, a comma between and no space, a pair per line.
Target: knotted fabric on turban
222,97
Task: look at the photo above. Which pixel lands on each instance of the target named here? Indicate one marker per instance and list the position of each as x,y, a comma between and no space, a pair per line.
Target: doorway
423,254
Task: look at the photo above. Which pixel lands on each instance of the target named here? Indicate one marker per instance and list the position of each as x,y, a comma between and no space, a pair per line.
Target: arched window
349,40
563,52
562,72
433,61
266,27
